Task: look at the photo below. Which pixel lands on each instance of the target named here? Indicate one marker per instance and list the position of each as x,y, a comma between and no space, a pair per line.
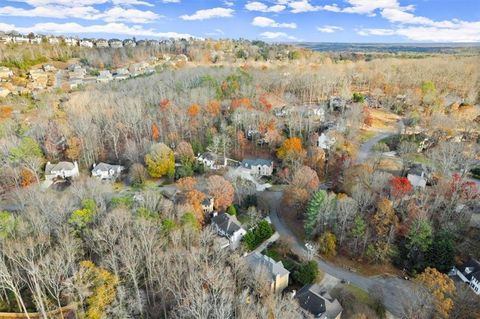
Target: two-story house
258,167
318,303
229,227
274,271
61,170
105,171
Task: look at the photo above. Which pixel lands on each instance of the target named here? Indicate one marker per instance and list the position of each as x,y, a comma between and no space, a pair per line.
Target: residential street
366,148
396,291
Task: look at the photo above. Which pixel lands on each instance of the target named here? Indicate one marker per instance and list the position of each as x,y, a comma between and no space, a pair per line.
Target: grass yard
366,135
382,120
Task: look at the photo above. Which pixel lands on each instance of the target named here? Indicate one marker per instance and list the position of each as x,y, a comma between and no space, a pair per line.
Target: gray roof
65,166
248,163
274,268
317,302
103,167
228,224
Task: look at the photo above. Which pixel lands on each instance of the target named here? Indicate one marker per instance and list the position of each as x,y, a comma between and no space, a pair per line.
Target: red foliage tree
164,104
155,132
400,186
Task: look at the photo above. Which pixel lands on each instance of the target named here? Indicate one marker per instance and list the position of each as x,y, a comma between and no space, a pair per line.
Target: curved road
395,291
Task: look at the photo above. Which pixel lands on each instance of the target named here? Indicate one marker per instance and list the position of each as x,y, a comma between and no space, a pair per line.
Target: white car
309,247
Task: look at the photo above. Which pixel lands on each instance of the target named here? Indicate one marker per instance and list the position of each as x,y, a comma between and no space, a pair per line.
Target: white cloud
114,14
171,1
109,28
300,6
329,28
118,14
368,6
462,32
132,2
209,14
216,32
261,7
228,3
66,3
277,35
59,12
264,22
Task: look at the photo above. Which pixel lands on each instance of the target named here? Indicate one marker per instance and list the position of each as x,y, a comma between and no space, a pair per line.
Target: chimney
94,165
294,292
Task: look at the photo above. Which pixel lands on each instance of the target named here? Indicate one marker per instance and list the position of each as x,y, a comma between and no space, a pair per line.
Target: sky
359,21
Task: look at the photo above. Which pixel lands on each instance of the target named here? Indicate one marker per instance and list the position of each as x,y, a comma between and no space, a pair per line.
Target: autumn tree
400,187
184,152
137,174
291,152
306,178
327,244
155,132
160,161
441,287
221,190
384,222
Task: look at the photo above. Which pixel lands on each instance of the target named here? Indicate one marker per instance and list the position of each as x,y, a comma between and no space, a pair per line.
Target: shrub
231,210
254,237
306,273
358,97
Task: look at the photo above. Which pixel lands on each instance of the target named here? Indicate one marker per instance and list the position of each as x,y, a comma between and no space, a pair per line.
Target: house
207,205
469,273
115,43
21,39
86,43
326,141
48,68
39,78
53,40
153,43
71,42
258,167
101,43
129,43
61,170
36,40
5,73
74,83
318,112
104,77
317,303
336,103
107,171
229,227
141,43
276,274
5,38
212,160
4,92
417,181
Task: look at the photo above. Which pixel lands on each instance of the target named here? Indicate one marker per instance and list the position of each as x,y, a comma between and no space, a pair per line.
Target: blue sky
269,20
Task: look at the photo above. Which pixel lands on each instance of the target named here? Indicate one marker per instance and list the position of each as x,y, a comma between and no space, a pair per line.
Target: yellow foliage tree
289,146
103,288
328,244
160,161
441,287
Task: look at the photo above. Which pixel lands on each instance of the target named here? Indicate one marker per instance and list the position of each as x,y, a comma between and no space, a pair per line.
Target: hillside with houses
236,179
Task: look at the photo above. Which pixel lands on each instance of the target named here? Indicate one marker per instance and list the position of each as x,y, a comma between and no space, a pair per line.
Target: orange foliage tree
290,145
5,112
155,132
213,107
221,190
242,102
306,178
187,183
193,110
27,177
164,104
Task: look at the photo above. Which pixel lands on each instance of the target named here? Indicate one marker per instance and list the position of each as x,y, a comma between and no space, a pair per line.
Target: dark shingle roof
310,300
227,223
470,269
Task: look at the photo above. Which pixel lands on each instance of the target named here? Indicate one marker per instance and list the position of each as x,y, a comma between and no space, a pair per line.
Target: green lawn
366,135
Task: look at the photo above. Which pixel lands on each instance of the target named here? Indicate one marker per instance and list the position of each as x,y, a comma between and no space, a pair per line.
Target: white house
107,171
326,141
53,40
71,42
115,43
61,170
212,160
417,181
86,43
469,272
101,43
258,167
229,227
104,77
129,43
